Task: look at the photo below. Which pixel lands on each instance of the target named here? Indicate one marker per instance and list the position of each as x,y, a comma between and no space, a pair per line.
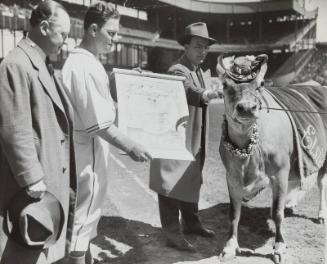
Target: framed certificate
153,111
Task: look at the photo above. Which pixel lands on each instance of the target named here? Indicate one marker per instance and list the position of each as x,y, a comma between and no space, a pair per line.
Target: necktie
49,66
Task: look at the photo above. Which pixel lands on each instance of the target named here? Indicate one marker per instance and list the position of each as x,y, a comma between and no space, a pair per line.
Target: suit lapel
64,98
196,79
184,61
43,74
50,87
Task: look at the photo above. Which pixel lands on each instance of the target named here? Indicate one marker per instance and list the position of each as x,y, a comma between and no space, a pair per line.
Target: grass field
129,231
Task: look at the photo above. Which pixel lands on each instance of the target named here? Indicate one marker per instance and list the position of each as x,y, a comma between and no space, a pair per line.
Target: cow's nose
246,109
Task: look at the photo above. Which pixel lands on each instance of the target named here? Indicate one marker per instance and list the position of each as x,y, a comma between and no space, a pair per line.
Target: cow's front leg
235,188
322,184
279,188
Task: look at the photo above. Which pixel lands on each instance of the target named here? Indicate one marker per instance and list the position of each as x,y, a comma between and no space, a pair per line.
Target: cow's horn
260,60
220,65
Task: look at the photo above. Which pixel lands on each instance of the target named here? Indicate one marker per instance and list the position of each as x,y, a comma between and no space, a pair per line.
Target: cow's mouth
246,117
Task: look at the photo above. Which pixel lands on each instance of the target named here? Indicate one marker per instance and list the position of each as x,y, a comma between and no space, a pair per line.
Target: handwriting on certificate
153,111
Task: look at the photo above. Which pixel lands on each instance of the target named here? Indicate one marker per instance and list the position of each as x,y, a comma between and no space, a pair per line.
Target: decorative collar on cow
241,69
235,151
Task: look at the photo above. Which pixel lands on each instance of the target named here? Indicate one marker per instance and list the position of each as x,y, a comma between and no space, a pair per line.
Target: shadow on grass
123,241
295,214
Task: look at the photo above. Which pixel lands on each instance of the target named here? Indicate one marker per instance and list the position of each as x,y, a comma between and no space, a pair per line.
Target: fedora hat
198,29
35,223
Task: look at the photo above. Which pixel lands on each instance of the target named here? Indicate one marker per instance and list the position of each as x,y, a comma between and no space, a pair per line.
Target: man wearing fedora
37,164
178,182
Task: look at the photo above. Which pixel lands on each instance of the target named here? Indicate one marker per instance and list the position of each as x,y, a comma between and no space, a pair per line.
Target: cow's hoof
227,256
230,250
321,220
322,217
277,259
279,252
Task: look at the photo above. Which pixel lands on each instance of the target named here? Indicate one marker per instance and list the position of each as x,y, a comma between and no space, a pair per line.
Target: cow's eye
231,92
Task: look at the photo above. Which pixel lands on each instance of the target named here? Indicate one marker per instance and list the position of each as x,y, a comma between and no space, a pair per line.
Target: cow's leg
322,184
235,189
279,188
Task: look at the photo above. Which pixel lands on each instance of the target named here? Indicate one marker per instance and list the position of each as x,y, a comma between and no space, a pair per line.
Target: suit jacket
182,179
35,143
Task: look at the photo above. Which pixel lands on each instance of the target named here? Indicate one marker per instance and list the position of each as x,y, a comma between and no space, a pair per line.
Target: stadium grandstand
283,29
316,68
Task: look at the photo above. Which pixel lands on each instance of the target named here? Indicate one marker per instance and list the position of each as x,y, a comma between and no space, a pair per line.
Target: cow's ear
224,64
261,75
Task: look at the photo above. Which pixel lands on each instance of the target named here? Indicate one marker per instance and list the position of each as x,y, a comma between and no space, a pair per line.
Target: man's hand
36,190
209,95
213,94
139,153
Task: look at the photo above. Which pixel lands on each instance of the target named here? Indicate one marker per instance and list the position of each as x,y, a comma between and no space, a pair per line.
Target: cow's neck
240,134
239,140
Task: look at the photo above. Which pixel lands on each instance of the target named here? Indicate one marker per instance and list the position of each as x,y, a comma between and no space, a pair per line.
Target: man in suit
36,146
178,182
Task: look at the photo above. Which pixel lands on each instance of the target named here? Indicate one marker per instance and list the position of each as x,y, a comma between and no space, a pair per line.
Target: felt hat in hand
198,29
35,223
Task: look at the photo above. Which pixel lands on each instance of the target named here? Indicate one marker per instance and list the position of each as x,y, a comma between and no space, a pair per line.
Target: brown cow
257,145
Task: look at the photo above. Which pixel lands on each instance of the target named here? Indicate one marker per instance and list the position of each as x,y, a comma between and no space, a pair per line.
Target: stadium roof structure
234,7
238,26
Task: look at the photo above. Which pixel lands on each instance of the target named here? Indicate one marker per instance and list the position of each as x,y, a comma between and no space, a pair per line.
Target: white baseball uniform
88,86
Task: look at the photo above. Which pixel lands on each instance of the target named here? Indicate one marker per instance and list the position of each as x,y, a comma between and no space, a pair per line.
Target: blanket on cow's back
303,102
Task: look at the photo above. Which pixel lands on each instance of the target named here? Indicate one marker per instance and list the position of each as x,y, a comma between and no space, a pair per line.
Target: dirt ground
129,231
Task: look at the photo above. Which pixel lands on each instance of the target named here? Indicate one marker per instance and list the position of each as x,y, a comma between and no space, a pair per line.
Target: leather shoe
200,231
180,244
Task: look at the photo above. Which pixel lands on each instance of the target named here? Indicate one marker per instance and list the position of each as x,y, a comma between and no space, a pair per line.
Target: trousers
169,209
